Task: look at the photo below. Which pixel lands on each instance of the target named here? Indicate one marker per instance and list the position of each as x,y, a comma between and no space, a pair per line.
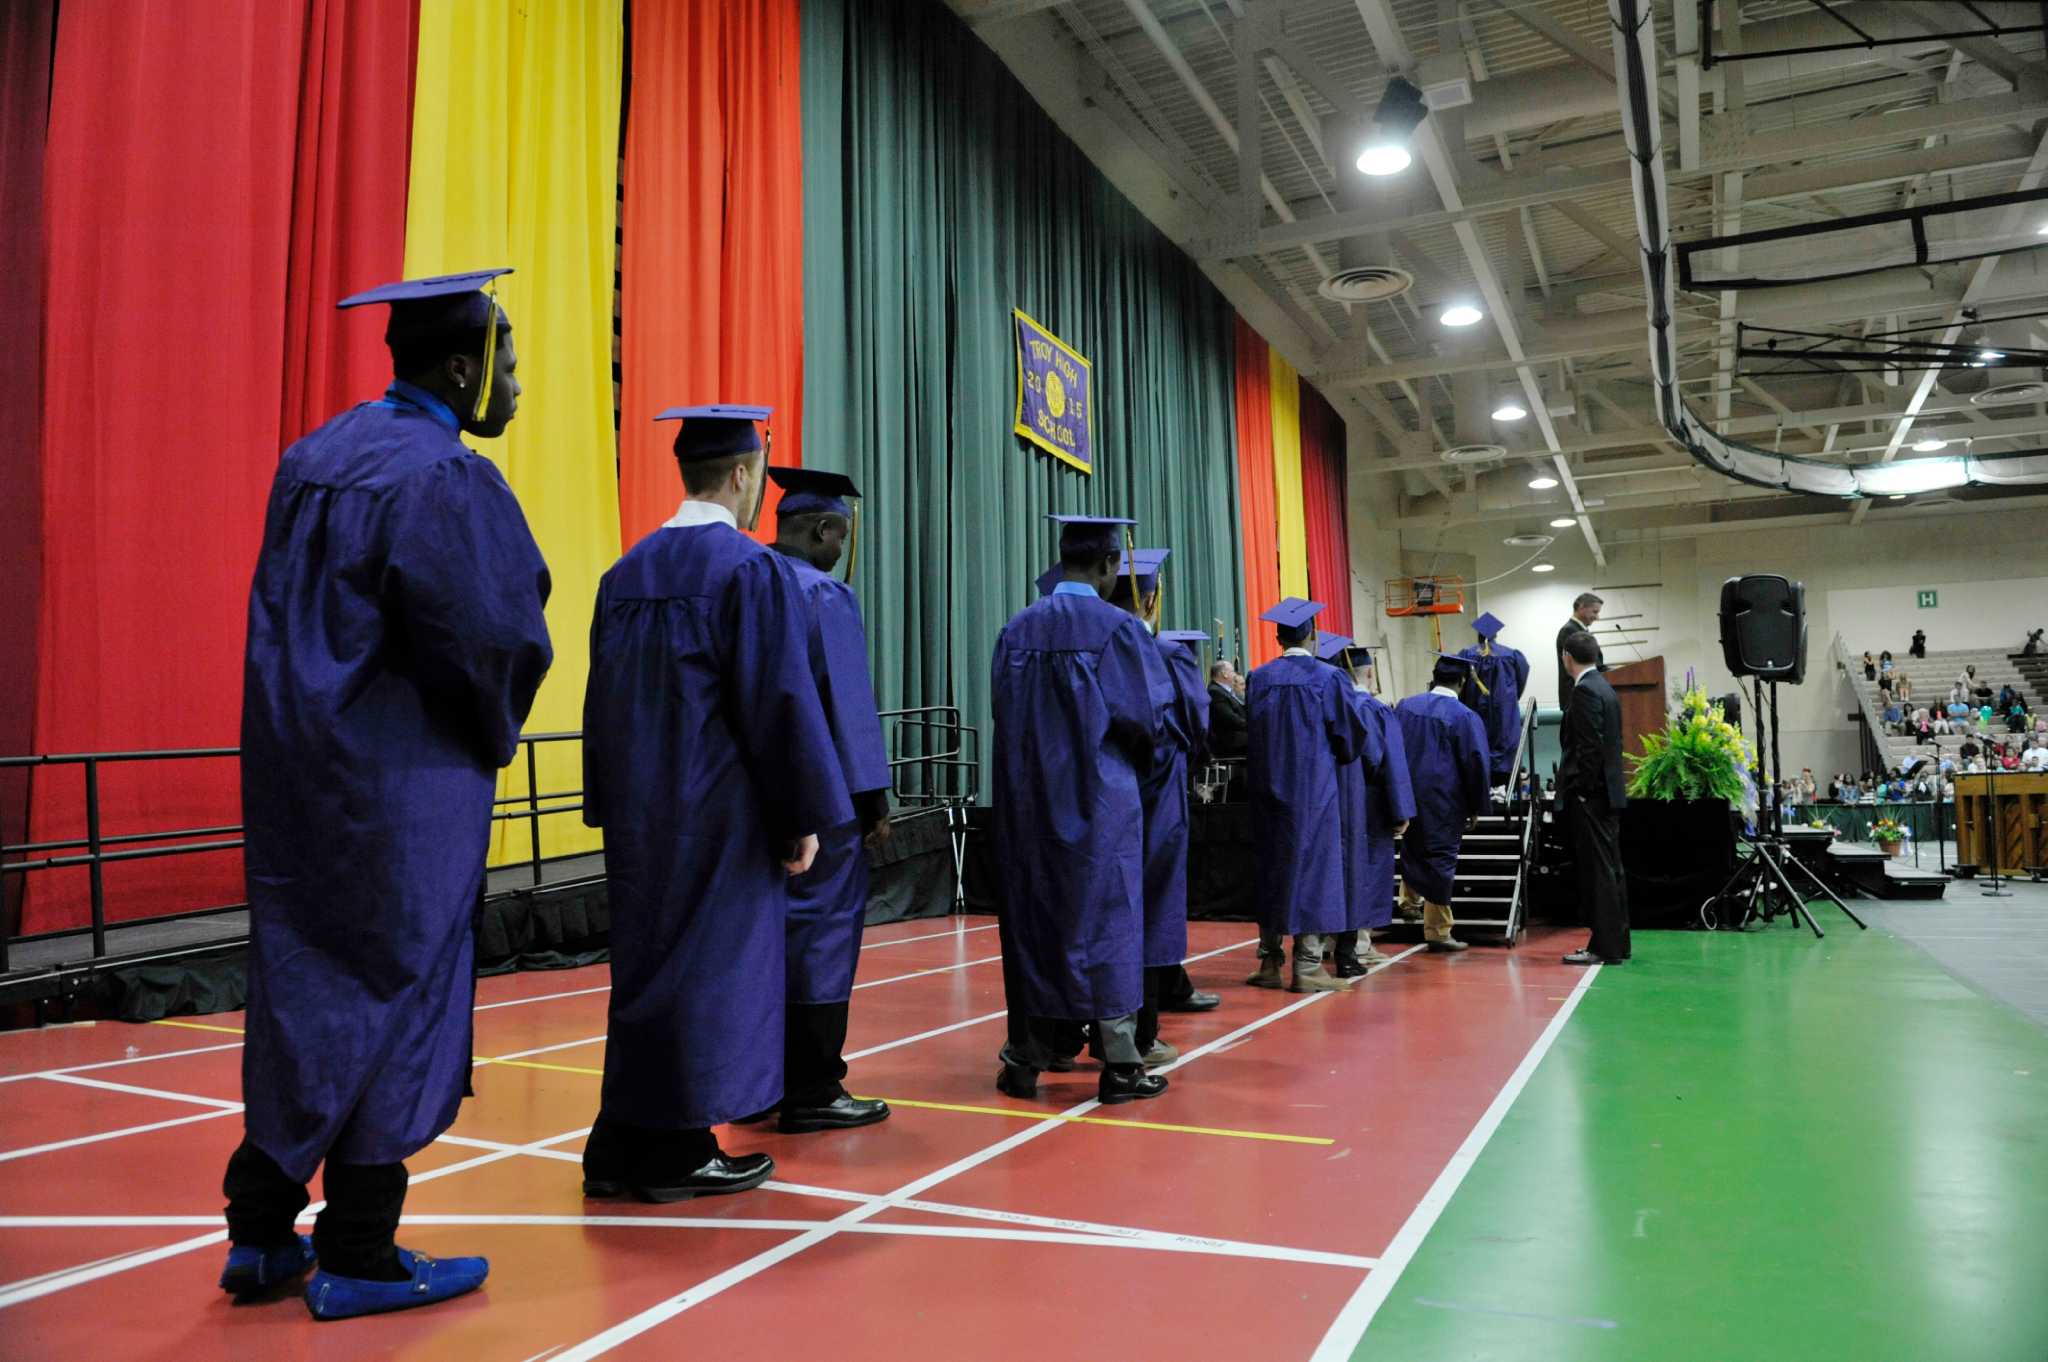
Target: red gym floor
1234,1217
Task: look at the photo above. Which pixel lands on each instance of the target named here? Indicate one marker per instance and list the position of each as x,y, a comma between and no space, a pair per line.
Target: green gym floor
1756,1146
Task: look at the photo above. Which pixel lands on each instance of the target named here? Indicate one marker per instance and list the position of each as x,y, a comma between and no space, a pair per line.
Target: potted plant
1699,755
1889,835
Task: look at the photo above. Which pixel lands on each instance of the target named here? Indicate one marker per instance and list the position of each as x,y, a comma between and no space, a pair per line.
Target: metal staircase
1490,889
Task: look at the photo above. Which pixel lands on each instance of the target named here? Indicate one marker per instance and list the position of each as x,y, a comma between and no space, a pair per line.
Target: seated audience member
2033,643
1967,678
1955,693
2035,758
1893,714
1919,648
2016,718
1884,686
2006,696
2009,762
1970,750
1902,686
1923,728
1869,666
1884,661
2041,724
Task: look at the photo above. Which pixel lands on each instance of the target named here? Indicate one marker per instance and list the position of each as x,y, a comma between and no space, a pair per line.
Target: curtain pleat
1254,383
1293,539
25,33
938,196
713,240
1322,508
515,162
186,276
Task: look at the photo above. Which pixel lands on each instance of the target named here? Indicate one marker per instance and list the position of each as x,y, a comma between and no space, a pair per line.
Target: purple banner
1055,396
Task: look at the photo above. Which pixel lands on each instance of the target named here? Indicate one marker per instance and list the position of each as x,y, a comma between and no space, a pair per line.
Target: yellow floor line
1108,1121
536,1064
199,1026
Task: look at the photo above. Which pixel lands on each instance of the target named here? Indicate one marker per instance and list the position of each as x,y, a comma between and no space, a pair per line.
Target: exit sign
1929,600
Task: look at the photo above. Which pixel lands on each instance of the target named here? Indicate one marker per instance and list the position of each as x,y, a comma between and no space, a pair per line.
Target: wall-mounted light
1459,314
1400,111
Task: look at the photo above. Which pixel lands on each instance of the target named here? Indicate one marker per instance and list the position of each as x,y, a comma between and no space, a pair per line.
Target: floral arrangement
1886,831
1699,755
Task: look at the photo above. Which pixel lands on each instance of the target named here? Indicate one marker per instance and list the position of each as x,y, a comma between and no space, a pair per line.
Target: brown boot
1268,975
1317,980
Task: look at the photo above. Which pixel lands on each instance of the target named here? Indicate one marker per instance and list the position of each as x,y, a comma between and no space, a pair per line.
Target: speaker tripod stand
1764,885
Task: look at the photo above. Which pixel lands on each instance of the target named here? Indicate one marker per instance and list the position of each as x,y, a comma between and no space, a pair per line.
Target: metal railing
934,763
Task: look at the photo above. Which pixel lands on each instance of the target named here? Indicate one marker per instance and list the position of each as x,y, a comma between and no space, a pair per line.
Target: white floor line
934,936
923,1035
599,1344
544,998
17,1293
921,973
118,1063
221,1102
539,1050
1357,1315
73,1143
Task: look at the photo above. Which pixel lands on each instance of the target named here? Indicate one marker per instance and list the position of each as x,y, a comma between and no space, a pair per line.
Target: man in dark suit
1227,721
1590,782
1585,610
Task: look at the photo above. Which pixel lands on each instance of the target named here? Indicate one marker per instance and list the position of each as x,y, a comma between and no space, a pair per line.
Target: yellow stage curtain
515,161
1286,390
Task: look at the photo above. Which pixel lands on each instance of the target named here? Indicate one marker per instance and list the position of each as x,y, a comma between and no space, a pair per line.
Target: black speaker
1763,628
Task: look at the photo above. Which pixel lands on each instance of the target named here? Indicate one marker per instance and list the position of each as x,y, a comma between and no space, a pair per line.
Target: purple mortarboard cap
714,431
812,491
1452,661
1293,613
444,304
1331,647
1487,626
1089,533
1145,564
1051,578
1191,637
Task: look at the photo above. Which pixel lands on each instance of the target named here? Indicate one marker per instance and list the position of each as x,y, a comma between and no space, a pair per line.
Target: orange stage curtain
712,252
1255,492
1322,507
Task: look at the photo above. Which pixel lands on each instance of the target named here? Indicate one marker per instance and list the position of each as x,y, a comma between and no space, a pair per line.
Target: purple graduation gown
1388,802
828,902
1164,791
395,644
1080,696
1447,759
1303,730
1506,674
705,748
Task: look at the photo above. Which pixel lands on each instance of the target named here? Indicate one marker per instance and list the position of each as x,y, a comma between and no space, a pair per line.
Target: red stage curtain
1322,504
247,162
25,30
1255,492
712,252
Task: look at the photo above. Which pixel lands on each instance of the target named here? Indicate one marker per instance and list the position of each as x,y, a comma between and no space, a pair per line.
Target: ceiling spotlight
1895,496
1400,111
1929,445
1459,314
2042,230
1544,567
1507,405
1990,356
1543,483
1563,522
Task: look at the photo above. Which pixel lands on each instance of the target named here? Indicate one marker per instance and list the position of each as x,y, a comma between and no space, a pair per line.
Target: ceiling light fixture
1543,482
1990,356
1507,404
1563,522
1400,111
1459,314
1929,445
1544,567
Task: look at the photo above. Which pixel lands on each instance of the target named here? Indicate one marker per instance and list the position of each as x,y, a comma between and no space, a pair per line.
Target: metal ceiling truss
1858,37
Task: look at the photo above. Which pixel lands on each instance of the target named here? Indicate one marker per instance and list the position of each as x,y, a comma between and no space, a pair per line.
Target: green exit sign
1929,600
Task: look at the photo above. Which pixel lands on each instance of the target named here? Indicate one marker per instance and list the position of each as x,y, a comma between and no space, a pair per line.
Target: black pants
1596,840
813,1065
618,1152
1158,980
353,1234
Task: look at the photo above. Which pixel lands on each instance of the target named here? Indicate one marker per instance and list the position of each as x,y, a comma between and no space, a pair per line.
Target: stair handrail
1873,720
1525,746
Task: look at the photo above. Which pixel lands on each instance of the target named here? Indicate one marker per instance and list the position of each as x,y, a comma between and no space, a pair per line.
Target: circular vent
1474,453
1529,541
2010,394
1366,284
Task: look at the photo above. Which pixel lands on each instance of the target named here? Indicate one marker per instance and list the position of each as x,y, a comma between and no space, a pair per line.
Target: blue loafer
252,1270
433,1279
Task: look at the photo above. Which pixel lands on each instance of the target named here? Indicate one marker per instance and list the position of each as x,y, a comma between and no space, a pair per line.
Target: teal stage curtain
937,197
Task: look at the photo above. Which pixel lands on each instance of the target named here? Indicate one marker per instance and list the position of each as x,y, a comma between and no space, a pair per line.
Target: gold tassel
853,544
483,394
1131,565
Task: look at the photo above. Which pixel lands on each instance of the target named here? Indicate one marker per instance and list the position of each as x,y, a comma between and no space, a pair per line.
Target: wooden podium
2022,813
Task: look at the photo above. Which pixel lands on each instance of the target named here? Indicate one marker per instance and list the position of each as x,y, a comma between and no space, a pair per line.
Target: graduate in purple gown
1447,764
709,763
1389,804
1303,731
1080,698
1493,691
395,644
1164,793
828,903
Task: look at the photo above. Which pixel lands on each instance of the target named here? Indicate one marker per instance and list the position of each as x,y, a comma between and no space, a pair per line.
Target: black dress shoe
1348,969
721,1174
1197,1001
1588,958
1060,1064
841,1113
1014,1081
1127,1083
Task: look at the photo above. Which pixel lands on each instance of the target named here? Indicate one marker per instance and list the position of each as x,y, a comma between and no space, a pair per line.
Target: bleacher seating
1931,677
